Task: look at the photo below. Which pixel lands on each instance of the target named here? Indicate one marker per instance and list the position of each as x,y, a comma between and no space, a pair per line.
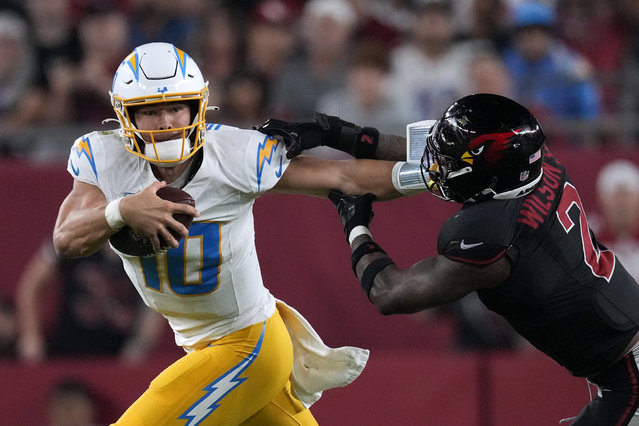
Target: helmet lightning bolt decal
83,147
134,63
265,155
182,57
220,388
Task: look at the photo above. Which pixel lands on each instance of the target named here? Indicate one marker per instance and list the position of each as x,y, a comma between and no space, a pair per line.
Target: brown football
134,243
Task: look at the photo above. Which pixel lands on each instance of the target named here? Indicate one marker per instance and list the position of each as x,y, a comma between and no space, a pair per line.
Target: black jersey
567,294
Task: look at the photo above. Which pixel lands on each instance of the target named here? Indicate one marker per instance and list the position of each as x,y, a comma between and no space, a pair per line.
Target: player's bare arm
428,283
316,176
363,143
82,228
391,147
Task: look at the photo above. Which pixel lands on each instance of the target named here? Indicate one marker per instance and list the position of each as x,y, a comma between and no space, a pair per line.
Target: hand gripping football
134,243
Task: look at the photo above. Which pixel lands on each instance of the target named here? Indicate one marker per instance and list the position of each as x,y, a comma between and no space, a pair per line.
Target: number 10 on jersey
190,269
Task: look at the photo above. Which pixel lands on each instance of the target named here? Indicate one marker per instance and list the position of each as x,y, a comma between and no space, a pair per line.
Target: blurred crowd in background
574,63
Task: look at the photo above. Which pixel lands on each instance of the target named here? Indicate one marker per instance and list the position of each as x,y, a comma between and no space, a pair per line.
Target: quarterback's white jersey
211,285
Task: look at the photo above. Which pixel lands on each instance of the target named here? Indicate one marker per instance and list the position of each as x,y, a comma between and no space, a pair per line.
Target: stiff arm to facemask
407,175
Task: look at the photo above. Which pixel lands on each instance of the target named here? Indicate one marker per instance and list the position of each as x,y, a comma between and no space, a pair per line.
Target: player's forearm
81,227
403,179
81,233
391,147
390,289
369,176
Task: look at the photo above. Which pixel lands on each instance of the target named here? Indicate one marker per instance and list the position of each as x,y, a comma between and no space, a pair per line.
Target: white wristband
113,216
357,231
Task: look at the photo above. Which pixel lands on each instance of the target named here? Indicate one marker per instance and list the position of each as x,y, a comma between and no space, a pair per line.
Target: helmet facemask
153,146
438,169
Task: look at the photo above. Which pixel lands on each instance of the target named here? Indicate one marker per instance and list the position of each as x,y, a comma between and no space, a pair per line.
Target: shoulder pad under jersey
479,233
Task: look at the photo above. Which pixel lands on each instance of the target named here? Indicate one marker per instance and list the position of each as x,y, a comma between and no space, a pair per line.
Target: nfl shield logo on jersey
524,175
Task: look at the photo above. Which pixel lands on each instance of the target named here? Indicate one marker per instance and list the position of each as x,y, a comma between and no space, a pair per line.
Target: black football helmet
484,146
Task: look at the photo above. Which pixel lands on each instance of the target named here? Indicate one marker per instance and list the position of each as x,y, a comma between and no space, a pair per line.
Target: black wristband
348,137
342,135
366,143
371,271
364,249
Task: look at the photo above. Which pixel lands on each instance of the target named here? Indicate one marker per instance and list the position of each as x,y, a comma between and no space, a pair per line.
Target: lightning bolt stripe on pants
221,387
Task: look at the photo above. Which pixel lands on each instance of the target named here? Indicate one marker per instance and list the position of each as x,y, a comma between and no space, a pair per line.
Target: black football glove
326,130
297,136
353,210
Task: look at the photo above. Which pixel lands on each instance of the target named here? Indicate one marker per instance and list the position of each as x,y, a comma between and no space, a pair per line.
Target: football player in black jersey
520,240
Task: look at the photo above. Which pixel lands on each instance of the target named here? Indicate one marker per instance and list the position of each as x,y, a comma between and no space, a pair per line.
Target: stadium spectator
366,97
245,97
97,311
219,47
17,69
71,403
553,81
430,69
326,32
58,51
488,74
383,21
588,25
104,40
617,221
520,240
171,21
209,285
271,37
485,20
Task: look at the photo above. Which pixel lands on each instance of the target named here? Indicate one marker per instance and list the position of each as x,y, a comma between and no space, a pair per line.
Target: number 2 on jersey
600,262
190,269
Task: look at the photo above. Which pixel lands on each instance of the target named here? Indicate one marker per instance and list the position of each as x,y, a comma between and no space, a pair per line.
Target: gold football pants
242,378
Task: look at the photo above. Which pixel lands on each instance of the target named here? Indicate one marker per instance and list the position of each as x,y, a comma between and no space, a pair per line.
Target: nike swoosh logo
465,246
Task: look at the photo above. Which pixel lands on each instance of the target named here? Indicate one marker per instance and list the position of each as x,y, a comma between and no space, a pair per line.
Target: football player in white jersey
241,364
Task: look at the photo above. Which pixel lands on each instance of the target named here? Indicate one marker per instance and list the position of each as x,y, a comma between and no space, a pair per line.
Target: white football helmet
155,73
